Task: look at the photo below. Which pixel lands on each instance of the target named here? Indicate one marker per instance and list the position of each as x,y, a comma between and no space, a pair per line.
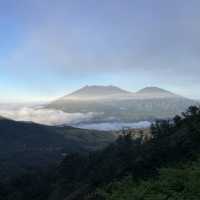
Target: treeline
79,175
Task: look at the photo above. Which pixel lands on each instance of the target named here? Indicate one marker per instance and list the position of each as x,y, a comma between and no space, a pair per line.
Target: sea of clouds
41,115
112,126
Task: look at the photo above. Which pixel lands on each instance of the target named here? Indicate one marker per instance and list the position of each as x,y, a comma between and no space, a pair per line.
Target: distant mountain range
109,92
111,103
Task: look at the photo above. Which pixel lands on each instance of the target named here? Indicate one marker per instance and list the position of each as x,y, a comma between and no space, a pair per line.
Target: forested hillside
174,183
29,145
164,167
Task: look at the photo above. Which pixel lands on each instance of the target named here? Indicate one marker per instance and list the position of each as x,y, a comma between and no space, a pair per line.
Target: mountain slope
34,145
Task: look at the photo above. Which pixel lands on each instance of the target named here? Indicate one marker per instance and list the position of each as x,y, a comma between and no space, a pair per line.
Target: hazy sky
51,47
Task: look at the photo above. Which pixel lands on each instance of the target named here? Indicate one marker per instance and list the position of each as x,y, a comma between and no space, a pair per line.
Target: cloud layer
40,115
45,116
114,125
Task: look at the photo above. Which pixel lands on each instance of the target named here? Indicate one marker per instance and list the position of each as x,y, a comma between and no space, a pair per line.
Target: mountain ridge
89,91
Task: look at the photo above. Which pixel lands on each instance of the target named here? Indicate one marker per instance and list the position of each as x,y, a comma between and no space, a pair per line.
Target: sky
51,47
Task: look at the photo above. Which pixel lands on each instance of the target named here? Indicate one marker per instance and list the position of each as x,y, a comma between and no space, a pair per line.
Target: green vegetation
178,183
164,167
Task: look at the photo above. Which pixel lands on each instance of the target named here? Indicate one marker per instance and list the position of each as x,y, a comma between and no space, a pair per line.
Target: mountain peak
98,90
155,90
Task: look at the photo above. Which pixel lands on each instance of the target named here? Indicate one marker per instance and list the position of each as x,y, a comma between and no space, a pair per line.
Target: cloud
40,115
45,116
114,125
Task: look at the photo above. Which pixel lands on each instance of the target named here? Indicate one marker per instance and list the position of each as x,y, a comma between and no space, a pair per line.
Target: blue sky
49,48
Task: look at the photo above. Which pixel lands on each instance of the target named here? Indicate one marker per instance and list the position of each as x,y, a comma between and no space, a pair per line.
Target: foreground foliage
179,183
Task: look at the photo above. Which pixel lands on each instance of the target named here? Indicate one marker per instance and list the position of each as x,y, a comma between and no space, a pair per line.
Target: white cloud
45,116
38,114
108,126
